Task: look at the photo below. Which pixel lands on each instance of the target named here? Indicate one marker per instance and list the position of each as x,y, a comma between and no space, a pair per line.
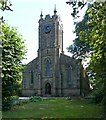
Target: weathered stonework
53,73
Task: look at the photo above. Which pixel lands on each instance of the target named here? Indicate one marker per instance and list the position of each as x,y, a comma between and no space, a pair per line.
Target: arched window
69,74
32,77
24,80
48,68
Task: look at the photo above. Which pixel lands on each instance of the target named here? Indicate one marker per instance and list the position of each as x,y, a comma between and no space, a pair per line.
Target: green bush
97,96
15,100
35,98
9,102
6,103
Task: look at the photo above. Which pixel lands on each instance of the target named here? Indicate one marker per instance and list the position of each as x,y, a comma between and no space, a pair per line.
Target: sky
25,17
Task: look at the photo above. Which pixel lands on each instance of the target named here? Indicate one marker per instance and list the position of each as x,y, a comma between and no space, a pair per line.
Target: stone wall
65,76
66,61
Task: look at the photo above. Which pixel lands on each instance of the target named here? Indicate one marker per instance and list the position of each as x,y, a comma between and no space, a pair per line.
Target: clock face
47,28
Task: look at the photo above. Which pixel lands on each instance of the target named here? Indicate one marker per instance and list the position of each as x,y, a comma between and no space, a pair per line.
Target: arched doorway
48,89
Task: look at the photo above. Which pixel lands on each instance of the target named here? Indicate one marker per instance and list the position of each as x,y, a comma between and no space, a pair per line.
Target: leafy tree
91,42
5,5
81,48
12,55
13,52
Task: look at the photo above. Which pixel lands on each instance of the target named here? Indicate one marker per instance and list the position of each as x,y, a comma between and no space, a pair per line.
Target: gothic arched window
24,80
48,68
69,74
32,77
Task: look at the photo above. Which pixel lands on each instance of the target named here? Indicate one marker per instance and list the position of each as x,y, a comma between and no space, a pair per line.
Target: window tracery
48,67
69,74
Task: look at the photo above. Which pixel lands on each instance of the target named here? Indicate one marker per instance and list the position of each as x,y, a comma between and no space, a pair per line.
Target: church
52,73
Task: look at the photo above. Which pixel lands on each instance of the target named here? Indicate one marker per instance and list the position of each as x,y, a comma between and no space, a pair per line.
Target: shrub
35,98
7,104
97,96
14,100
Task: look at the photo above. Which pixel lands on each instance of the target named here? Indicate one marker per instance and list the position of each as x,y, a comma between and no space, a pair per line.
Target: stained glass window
68,74
32,77
48,68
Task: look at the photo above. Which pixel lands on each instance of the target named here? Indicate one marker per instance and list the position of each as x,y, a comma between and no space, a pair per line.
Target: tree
13,52
12,55
91,42
81,48
5,5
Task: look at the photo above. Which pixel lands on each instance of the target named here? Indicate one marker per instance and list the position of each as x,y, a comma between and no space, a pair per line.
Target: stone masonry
53,73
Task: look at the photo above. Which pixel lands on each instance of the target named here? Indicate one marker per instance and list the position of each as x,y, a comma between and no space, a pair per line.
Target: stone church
53,73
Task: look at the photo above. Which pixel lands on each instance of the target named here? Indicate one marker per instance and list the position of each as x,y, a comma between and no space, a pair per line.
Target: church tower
50,47
52,73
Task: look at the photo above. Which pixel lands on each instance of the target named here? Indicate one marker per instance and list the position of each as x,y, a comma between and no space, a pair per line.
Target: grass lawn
0,115
56,108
